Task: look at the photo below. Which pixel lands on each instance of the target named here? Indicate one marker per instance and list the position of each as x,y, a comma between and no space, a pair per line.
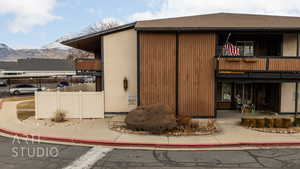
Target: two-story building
180,62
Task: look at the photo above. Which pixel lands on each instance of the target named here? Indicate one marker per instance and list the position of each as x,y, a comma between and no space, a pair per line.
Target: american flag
231,50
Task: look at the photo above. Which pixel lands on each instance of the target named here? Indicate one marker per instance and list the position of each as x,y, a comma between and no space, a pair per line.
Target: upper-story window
246,48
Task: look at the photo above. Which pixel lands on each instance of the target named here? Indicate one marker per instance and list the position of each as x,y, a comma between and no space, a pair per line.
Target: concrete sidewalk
97,131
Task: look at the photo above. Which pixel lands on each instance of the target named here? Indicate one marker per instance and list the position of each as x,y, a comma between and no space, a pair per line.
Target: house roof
36,64
208,22
223,21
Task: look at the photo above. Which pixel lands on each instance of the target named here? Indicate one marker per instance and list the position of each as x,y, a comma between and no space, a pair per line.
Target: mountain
55,49
5,50
57,43
9,54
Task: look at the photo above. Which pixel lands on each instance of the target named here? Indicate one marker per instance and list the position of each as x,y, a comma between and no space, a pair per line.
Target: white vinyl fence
76,104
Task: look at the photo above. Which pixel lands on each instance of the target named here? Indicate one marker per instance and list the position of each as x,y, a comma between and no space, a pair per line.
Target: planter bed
179,131
274,124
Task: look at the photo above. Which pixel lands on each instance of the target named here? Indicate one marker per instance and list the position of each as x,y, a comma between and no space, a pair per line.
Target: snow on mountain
4,46
9,54
96,27
57,43
5,50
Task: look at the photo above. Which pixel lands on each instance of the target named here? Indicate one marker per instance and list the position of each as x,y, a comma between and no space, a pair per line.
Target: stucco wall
289,44
120,61
288,97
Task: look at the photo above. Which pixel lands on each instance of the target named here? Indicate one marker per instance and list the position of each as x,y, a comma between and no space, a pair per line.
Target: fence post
80,104
57,101
36,104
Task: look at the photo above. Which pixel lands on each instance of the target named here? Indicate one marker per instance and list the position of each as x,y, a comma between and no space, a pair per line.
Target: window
224,92
246,47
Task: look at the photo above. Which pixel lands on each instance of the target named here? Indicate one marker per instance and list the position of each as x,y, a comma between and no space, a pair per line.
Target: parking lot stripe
87,160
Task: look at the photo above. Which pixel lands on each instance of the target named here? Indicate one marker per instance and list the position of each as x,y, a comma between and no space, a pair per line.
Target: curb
149,145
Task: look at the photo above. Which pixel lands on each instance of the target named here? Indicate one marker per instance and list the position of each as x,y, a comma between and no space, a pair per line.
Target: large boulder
155,119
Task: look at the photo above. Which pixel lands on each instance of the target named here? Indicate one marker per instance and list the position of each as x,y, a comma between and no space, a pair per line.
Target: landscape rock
156,119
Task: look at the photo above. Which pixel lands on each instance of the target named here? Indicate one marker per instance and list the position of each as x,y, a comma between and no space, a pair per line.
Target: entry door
196,80
267,97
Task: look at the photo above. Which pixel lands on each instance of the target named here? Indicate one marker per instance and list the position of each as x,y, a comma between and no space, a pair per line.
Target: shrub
297,121
59,116
269,122
287,122
278,122
260,123
211,124
245,121
249,121
184,120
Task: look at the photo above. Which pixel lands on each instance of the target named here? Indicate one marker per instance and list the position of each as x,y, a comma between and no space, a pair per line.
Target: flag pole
227,40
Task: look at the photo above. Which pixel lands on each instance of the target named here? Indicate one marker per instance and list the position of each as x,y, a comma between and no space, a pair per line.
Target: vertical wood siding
196,74
158,69
226,64
287,64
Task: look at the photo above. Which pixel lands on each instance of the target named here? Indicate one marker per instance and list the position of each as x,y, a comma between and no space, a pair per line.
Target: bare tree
98,26
101,25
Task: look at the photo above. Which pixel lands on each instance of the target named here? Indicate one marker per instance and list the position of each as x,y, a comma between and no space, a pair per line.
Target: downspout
177,75
138,69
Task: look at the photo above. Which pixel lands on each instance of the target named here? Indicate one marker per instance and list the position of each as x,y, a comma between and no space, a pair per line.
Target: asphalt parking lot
216,159
4,92
18,154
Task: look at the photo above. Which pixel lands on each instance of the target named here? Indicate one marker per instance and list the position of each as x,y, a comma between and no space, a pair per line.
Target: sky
35,23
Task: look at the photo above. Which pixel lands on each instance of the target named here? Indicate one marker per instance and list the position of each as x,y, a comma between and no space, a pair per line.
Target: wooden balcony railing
88,65
258,64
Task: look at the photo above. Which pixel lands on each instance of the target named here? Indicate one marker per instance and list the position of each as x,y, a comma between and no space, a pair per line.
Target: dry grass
13,99
25,110
26,105
60,116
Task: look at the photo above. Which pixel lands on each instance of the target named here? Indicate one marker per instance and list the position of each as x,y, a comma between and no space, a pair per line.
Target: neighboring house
37,68
179,62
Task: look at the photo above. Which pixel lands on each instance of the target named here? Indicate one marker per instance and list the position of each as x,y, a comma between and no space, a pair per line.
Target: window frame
242,47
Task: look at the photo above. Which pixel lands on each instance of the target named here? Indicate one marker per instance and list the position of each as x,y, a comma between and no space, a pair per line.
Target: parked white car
3,82
24,89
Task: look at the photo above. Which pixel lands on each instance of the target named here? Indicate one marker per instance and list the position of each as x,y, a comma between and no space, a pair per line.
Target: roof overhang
217,29
91,42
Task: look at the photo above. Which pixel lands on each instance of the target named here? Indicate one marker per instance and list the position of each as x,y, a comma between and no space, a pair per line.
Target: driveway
17,154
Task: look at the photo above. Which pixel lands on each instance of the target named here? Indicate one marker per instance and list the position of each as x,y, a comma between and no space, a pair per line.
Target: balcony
258,67
88,65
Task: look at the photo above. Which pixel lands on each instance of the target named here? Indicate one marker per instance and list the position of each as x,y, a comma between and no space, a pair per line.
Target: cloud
28,13
173,8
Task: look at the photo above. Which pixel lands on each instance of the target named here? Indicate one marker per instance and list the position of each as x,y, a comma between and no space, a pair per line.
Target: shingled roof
36,64
221,21
209,22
